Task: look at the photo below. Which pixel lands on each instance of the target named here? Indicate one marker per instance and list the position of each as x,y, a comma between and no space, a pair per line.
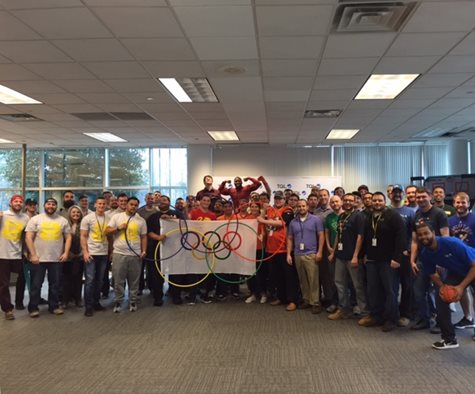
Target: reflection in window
128,167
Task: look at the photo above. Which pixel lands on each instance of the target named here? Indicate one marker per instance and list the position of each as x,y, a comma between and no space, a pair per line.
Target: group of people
379,257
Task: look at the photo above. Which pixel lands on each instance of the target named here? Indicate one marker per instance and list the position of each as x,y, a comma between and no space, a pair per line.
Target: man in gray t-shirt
48,238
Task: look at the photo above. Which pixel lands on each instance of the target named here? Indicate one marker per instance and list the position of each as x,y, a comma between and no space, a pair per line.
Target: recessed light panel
190,90
105,137
342,134
10,96
385,86
3,141
223,135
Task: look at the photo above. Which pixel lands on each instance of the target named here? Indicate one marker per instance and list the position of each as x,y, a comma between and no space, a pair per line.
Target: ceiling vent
322,113
456,132
20,118
94,116
468,132
132,115
379,16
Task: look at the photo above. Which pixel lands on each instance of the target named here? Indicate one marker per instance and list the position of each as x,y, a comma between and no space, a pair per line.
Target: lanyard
342,223
101,228
375,225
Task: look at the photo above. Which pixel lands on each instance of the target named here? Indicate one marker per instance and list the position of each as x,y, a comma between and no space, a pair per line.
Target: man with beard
383,242
305,238
462,226
459,261
48,238
411,197
312,201
239,191
68,202
130,246
154,237
331,230
209,191
403,274
438,194
12,224
349,240
149,208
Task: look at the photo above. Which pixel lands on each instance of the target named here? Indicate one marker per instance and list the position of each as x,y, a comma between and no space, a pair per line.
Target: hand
354,262
318,258
122,226
394,264
261,178
142,254
405,253
35,259
289,259
63,258
460,291
246,179
414,267
87,257
330,257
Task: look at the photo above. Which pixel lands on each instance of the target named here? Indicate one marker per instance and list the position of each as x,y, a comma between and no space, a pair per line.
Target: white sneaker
263,299
356,310
252,298
403,322
117,308
133,307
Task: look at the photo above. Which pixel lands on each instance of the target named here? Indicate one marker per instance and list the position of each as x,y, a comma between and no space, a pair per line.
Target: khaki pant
126,268
308,272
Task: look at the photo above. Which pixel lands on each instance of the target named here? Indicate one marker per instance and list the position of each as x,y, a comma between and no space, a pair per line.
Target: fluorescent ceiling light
223,135
190,90
385,87
3,141
10,96
105,137
342,134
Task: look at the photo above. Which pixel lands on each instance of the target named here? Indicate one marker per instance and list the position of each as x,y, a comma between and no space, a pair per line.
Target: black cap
31,201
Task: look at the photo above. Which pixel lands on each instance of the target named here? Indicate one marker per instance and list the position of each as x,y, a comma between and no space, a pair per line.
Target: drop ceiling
268,61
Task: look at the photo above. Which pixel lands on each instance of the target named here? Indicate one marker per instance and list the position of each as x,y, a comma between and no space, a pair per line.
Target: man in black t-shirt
154,237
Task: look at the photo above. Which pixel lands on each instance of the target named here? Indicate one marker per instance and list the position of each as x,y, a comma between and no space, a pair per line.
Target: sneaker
452,307
263,299
337,315
388,326
9,315
356,310
291,307
367,321
403,322
332,309
220,297
34,313
205,299
316,309
464,323
99,307
420,325
133,307
276,302
443,344
252,298
117,308
192,301
58,311
236,295
89,312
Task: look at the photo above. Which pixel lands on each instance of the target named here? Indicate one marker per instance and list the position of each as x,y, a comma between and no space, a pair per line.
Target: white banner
299,184
205,238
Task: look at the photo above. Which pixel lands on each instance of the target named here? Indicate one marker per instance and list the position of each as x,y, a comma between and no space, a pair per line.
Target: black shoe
420,325
89,312
388,326
177,301
443,344
43,301
98,307
462,324
158,302
19,307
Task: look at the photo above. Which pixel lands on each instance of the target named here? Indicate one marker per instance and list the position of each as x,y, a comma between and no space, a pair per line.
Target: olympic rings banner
198,247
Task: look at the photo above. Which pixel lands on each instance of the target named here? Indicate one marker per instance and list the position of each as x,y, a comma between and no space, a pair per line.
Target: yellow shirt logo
132,232
50,231
12,230
98,233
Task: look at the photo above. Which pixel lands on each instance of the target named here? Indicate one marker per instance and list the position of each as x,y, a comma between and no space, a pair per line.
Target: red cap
16,197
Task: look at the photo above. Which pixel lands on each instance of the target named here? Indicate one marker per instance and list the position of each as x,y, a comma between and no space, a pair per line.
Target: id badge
340,246
374,242
301,246
271,232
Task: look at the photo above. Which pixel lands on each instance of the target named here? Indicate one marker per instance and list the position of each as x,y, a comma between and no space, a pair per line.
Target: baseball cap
278,194
31,201
397,186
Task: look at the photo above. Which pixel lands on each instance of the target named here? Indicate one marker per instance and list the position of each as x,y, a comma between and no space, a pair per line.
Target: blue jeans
381,299
94,271
37,277
421,293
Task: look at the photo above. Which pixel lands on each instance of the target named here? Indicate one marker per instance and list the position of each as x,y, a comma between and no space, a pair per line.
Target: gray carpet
226,347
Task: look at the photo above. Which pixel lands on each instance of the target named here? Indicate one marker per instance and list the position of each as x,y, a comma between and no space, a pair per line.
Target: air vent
132,115
322,113
381,16
20,118
94,116
455,132
464,133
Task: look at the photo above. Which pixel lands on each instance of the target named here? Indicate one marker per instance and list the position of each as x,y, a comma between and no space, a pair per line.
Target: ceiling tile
289,83
32,51
284,68
286,95
223,21
446,16
140,22
116,70
424,44
159,48
405,64
233,68
466,46
455,64
15,72
291,47
101,49
58,98
99,98
128,3
351,66
340,82
174,69
13,29
424,93
135,85
357,45
293,20
60,70
219,48
441,80
63,23
32,87
21,4
339,94
84,85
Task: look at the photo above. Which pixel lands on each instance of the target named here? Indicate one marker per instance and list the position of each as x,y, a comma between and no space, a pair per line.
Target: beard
68,204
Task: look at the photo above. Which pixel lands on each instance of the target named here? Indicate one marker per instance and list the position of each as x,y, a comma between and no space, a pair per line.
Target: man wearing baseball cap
12,224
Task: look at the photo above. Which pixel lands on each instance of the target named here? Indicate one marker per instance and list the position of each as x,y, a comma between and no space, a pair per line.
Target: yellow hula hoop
177,284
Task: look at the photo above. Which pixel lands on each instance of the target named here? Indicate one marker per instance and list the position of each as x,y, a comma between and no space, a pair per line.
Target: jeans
381,300
94,272
421,291
7,267
37,277
284,278
343,269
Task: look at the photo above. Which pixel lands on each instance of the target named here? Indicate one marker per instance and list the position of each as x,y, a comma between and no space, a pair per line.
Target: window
129,167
